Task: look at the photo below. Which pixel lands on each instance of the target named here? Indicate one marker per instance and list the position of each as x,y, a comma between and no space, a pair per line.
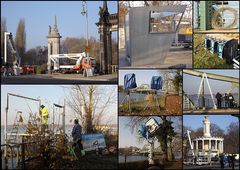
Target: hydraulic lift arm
9,40
189,139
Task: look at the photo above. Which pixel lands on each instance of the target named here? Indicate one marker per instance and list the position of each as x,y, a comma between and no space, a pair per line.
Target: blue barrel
212,46
220,49
130,81
156,82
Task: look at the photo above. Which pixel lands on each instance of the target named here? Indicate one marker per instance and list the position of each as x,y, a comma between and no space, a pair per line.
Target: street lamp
88,71
85,12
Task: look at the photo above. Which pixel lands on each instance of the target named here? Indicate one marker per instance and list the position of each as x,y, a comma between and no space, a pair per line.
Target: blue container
156,82
207,43
220,50
212,46
130,81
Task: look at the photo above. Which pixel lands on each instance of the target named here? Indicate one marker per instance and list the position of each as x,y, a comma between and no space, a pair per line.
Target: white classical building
207,145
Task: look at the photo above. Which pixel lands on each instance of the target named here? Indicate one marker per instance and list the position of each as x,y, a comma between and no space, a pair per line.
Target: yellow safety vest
44,113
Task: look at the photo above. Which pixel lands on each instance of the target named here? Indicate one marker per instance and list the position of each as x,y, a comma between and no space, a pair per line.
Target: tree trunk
170,154
89,111
164,144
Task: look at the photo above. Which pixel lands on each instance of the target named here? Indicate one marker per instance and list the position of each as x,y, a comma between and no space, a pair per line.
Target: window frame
163,32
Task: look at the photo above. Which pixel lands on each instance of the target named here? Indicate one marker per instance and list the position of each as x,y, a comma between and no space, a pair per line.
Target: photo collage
120,84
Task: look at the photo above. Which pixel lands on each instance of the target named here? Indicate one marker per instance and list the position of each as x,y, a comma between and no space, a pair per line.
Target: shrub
204,58
42,69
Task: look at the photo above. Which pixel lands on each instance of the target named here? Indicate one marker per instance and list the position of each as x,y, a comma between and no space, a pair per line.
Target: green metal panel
206,13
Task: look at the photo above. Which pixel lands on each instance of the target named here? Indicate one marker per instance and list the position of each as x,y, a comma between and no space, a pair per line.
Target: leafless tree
20,39
36,56
77,45
90,104
231,139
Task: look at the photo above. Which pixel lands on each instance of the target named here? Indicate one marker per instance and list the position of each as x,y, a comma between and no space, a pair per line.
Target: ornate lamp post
87,49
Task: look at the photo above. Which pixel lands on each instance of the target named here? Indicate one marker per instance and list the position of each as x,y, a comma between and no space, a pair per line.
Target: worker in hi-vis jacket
44,114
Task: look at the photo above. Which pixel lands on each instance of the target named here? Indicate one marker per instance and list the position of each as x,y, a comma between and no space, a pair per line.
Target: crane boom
9,40
190,142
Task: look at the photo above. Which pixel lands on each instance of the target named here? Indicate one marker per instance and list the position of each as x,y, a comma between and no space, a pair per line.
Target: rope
218,13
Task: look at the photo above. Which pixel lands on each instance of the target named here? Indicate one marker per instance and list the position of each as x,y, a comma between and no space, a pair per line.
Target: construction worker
76,134
44,114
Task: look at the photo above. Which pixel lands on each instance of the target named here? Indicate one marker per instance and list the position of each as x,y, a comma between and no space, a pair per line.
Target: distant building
53,41
111,129
207,145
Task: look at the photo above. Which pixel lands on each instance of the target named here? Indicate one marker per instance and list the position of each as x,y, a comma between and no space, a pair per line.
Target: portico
207,144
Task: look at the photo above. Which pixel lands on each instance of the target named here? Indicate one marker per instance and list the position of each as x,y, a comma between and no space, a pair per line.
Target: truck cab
79,68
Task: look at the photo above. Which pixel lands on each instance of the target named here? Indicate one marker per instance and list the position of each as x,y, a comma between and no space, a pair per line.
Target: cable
218,13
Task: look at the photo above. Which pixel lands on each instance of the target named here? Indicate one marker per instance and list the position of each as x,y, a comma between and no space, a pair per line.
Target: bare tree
231,139
90,104
20,39
214,129
122,12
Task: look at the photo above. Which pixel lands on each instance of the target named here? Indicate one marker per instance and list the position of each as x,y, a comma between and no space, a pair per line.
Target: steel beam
213,76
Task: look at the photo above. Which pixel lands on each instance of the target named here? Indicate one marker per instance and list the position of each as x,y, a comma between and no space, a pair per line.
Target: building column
222,145
109,52
209,144
102,59
49,53
197,144
216,144
202,144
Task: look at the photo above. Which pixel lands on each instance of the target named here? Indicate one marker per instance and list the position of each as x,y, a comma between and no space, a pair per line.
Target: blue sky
191,83
38,15
48,94
142,76
128,138
195,121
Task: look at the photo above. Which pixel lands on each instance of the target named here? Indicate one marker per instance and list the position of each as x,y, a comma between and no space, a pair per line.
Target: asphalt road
217,166
218,111
175,56
35,79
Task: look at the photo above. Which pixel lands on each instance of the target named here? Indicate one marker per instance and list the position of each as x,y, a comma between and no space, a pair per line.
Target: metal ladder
188,104
17,122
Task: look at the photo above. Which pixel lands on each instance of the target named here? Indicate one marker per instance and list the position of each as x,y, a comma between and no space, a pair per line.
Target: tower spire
105,8
206,127
55,24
